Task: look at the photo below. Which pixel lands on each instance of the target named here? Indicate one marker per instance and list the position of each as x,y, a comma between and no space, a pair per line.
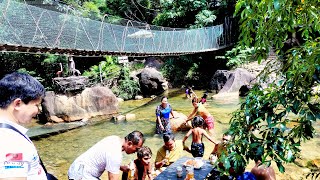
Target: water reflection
59,151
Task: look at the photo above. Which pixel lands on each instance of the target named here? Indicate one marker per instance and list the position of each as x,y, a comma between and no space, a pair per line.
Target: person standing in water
163,112
197,146
200,110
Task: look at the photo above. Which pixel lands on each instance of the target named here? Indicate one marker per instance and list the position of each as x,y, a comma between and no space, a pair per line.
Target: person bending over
106,155
200,110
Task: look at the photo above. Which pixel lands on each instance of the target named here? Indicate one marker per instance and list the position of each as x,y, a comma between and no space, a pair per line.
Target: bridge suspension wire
31,29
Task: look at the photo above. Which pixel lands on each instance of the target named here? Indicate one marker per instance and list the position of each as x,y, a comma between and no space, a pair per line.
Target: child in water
197,146
204,98
142,165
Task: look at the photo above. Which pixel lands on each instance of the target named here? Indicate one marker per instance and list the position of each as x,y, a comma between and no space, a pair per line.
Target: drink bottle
131,171
167,158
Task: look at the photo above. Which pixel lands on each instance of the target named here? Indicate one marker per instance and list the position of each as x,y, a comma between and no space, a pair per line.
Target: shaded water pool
60,150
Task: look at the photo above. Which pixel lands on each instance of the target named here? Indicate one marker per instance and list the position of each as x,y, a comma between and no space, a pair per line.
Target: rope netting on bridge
24,26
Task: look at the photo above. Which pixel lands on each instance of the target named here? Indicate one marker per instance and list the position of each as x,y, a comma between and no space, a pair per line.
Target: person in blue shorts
197,146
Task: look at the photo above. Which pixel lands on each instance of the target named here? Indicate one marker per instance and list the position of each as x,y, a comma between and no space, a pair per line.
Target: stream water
59,151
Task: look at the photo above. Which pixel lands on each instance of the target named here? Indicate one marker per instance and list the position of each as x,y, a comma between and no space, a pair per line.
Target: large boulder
219,79
71,84
236,79
152,82
90,102
178,123
153,62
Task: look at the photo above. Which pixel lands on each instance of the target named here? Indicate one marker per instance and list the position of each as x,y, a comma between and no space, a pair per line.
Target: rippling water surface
59,151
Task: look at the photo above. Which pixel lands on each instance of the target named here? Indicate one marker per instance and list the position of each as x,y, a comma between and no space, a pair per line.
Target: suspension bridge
31,29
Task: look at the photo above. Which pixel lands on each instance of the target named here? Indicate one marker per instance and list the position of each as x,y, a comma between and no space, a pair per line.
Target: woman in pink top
200,110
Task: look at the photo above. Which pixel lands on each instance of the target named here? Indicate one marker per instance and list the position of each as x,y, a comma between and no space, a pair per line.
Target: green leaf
289,155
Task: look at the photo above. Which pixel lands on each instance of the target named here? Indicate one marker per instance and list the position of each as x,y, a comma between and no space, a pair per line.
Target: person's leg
209,124
167,127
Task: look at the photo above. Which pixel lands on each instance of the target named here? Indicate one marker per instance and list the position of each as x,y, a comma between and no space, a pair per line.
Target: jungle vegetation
273,121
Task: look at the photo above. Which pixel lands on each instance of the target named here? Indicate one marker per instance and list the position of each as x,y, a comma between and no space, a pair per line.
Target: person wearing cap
163,112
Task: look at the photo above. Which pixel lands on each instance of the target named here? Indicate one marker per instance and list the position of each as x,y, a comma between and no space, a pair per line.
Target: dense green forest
291,28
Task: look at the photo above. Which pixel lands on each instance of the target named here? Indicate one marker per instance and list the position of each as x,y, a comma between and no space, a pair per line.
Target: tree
137,10
282,114
185,13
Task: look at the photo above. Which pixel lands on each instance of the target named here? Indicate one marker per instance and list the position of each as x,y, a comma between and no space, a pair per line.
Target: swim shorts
209,123
197,149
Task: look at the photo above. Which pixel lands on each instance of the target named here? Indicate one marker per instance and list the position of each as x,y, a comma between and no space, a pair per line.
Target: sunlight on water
59,151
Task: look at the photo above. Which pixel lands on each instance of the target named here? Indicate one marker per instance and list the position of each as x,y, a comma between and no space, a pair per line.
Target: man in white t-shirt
20,98
106,155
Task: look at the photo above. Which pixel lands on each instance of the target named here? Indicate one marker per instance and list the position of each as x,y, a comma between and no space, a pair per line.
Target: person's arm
160,124
186,136
149,172
207,136
171,112
215,149
124,168
112,176
194,94
191,115
186,148
160,160
158,112
160,163
136,173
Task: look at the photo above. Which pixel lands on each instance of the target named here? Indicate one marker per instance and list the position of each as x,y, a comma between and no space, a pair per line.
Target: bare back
197,134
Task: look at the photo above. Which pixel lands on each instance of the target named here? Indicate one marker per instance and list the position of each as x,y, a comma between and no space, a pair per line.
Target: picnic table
170,172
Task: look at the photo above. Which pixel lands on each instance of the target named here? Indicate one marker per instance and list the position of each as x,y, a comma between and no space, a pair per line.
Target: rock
120,118
151,82
119,99
219,79
153,62
178,123
244,90
95,101
56,119
72,84
236,79
130,117
138,97
85,120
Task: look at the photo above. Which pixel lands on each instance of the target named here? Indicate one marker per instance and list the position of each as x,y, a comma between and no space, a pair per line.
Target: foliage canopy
273,121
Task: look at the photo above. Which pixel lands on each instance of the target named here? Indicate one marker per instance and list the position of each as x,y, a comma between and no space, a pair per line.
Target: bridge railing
24,27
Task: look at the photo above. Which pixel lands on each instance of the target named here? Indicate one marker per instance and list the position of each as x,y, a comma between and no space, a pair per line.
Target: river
59,151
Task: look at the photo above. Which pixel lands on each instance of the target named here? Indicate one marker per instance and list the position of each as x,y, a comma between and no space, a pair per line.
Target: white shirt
105,155
18,156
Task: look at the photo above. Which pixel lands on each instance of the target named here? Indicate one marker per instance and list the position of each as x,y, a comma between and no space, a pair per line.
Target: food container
190,173
179,172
